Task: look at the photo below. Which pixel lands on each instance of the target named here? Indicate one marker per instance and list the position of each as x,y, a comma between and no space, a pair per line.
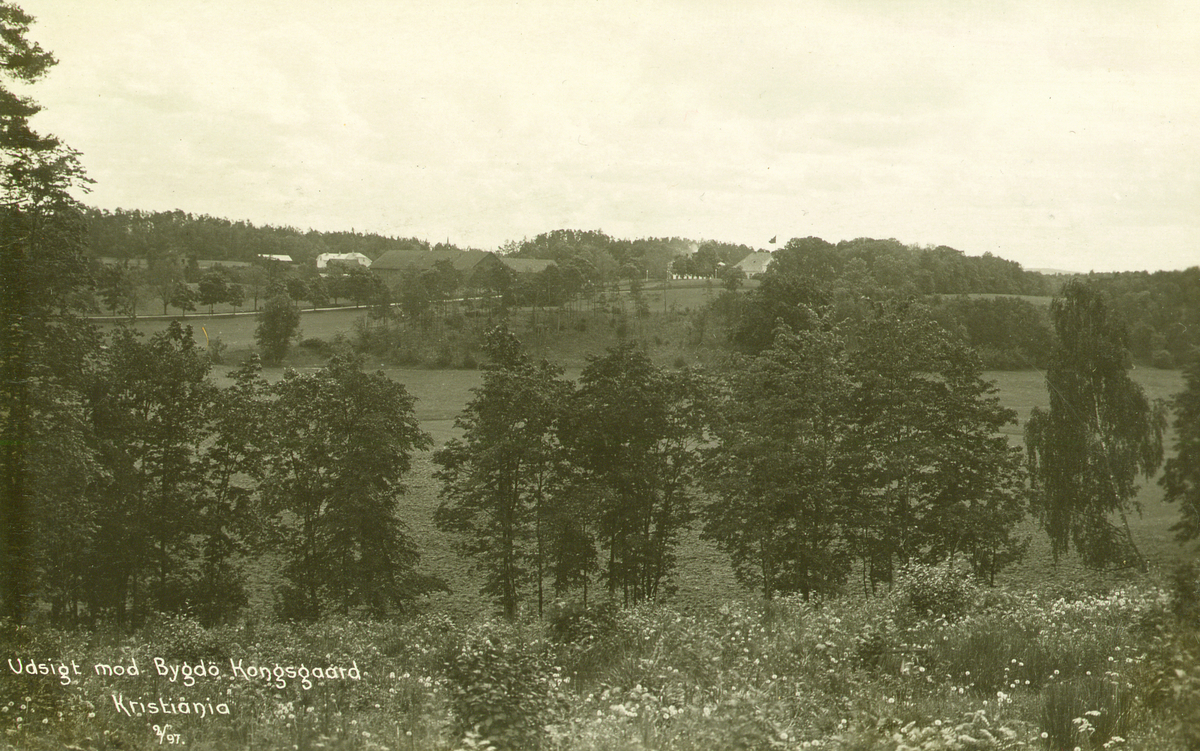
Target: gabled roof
324,258
755,263
526,265
399,260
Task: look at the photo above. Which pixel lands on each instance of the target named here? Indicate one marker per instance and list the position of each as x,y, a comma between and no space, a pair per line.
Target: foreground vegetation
936,664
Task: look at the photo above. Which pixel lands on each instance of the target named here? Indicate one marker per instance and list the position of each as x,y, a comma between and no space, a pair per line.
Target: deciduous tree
341,440
929,473
496,479
278,325
1099,434
631,431
149,407
213,289
778,509
118,289
183,297
228,513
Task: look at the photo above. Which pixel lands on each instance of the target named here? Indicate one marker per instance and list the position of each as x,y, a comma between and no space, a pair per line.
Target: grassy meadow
1054,657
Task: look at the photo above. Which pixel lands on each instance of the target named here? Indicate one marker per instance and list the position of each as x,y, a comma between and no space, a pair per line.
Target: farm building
342,259
394,264
755,263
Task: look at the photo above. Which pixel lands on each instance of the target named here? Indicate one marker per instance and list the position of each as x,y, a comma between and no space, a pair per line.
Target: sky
1060,135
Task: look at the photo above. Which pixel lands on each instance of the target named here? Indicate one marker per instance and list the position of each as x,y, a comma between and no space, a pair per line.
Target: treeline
1009,330
907,269
799,462
150,489
884,264
153,235
1162,311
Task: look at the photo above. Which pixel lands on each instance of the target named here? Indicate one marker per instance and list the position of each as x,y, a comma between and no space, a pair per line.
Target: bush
1175,682
502,687
946,590
1162,359
571,623
1185,593
278,324
216,350
314,344
184,638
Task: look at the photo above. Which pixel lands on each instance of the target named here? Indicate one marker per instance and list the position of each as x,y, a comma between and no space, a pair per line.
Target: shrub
1185,593
946,590
216,350
180,637
571,623
1175,682
314,344
502,687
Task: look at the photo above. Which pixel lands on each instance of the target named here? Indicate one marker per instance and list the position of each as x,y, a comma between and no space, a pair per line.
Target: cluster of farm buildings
394,263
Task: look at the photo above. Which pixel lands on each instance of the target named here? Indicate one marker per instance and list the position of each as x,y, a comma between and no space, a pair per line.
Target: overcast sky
1062,137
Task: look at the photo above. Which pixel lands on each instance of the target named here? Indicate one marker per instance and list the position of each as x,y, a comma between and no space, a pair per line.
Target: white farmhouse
345,259
755,263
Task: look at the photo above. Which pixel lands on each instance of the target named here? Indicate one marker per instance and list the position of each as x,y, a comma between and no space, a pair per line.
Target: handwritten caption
185,674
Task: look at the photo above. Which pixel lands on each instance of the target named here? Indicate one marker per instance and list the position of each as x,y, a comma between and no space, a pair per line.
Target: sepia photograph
586,375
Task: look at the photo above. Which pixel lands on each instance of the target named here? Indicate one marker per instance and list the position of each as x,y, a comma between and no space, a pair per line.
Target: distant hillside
1161,309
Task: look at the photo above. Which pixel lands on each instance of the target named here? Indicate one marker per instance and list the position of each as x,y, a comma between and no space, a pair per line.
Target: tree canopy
1098,435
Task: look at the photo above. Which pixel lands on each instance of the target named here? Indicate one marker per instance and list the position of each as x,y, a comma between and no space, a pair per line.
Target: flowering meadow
936,663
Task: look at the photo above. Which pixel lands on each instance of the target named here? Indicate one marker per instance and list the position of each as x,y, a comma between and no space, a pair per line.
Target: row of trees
121,289
153,235
807,457
833,449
